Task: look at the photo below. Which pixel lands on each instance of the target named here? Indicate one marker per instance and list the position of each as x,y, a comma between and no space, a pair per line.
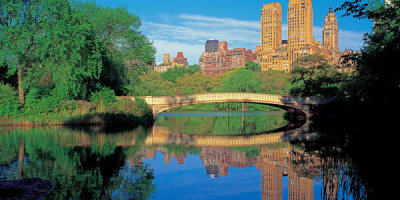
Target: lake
185,155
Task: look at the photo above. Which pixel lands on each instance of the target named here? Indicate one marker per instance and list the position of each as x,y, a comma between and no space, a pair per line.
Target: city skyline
179,26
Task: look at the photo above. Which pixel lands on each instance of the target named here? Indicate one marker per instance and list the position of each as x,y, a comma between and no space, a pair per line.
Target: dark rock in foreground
31,188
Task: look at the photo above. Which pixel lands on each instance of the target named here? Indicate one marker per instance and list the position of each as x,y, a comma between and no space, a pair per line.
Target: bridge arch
303,109
303,104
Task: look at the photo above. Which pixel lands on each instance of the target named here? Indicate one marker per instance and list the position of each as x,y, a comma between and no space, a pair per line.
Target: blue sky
185,25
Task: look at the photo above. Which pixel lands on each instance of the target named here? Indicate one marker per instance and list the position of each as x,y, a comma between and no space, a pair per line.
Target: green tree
313,76
173,73
20,27
49,38
253,66
275,82
193,84
126,51
377,77
8,101
194,69
153,85
240,80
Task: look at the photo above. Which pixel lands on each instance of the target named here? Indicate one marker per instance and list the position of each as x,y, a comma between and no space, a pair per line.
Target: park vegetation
65,61
61,60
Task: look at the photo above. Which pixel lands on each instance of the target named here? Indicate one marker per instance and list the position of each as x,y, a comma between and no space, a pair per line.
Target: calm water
191,155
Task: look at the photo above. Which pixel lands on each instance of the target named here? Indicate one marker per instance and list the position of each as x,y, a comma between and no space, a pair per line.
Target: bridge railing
256,97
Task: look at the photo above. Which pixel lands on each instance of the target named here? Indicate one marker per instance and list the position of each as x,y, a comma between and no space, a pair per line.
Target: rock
30,188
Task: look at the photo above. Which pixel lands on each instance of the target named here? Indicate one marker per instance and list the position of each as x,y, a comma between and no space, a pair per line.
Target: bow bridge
303,104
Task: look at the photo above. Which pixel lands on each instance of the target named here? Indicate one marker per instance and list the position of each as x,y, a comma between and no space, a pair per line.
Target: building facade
181,60
211,46
330,35
278,54
214,63
271,32
167,58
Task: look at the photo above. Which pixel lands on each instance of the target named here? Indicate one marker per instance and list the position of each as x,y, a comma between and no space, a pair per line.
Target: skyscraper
271,31
331,34
211,46
278,54
300,27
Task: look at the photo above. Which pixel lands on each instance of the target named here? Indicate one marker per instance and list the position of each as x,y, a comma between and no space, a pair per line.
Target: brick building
181,60
214,63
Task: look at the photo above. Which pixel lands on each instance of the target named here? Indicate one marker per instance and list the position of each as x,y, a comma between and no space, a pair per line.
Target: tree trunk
21,155
21,95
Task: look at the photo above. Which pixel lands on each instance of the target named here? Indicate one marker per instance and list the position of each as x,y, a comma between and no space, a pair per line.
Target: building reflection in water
274,163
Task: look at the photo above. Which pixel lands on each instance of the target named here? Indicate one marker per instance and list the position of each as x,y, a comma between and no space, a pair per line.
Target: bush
105,96
41,101
8,101
143,108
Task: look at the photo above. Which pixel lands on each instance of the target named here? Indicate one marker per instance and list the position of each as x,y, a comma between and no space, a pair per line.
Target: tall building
300,27
211,46
330,34
278,54
181,60
271,32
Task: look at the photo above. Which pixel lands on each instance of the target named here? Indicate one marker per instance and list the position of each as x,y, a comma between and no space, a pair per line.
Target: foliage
249,151
253,66
126,50
194,69
105,96
377,78
313,76
40,101
59,50
275,82
196,83
153,85
9,103
173,73
240,80
224,125
96,171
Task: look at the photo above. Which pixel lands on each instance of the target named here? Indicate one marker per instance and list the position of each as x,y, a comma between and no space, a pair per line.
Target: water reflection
224,123
163,162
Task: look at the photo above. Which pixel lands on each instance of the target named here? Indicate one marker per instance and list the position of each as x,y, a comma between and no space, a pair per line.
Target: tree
173,73
378,77
253,66
240,80
48,39
275,82
126,51
153,85
313,76
20,25
193,84
194,68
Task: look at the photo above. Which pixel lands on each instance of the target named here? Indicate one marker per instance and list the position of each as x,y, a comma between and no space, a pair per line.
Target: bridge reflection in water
271,153
274,154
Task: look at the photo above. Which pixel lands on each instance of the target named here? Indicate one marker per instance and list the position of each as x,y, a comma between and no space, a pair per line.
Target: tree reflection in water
96,165
80,165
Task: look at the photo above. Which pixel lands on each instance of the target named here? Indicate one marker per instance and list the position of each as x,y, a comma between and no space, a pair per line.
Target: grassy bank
119,112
